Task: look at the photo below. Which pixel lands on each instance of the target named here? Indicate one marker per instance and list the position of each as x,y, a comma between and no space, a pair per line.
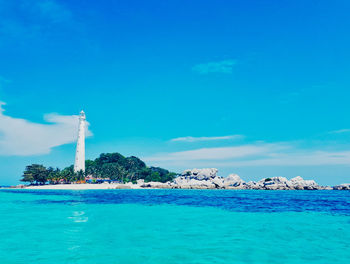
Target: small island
114,171
107,168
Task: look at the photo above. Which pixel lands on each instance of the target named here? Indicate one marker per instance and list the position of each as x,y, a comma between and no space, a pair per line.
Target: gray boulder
274,183
233,180
157,185
299,183
198,179
344,186
201,174
219,182
253,185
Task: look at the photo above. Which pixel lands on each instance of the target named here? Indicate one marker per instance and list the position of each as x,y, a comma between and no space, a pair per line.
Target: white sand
85,186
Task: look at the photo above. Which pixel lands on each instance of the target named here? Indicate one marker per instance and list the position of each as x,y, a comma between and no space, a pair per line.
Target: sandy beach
85,186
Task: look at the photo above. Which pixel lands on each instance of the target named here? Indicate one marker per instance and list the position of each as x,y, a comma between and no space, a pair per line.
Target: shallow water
174,226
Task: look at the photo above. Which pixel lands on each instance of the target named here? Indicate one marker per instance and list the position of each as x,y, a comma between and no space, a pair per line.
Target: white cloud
261,154
340,131
21,137
223,153
197,139
298,158
224,66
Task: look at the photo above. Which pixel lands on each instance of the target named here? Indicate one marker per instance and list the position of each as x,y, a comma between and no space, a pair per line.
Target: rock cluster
208,179
282,183
344,186
156,185
205,179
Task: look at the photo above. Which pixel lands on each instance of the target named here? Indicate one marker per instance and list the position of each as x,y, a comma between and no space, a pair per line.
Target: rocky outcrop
200,174
282,183
186,182
344,186
153,185
208,179
299,183
197,179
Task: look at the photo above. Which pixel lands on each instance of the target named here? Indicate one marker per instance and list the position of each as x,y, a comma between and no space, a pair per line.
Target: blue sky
258,88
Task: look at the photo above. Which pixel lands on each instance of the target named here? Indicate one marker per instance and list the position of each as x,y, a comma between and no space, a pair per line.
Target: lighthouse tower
79,163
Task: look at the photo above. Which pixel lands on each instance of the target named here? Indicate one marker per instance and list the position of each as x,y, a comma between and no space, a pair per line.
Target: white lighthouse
79,164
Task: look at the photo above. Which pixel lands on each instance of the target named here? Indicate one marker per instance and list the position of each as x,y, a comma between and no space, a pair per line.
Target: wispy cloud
223,153
21,137
198,139
224,66
297,158
259,154
340,131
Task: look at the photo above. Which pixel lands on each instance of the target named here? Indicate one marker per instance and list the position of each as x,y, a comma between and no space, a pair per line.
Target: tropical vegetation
111,166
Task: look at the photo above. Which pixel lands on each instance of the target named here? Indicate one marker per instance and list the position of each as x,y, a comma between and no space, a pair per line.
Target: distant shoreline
82,186
153,185
205,179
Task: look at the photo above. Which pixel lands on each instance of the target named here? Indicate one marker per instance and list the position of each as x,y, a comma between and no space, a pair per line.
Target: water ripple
238,201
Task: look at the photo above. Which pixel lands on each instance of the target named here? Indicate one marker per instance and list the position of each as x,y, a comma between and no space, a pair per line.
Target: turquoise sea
174,226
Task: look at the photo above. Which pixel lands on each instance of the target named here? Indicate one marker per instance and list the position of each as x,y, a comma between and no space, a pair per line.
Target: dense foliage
113,166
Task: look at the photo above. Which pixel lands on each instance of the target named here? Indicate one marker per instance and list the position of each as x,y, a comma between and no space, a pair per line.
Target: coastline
206,179
152,186
82,186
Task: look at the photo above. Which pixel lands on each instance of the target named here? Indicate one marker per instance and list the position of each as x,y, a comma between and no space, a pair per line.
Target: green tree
91,168
53,175
110,158
35,173
134,164
80,176
68,175
164,174
168,177
154,176
108,165
28,175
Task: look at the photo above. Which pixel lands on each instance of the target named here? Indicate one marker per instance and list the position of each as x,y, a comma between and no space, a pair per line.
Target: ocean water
174,226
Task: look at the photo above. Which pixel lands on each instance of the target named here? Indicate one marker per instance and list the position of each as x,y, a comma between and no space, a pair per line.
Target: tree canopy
35,173
113,166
